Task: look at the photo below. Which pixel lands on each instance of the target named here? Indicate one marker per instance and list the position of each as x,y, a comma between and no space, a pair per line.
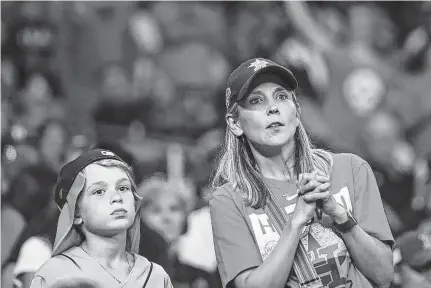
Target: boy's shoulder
146,264
58,265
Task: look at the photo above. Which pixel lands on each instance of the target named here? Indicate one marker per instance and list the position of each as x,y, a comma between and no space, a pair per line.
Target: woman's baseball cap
70,183
241,79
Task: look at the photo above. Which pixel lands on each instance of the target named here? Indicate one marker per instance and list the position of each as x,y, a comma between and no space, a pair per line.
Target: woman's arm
371,256
275,270
365,241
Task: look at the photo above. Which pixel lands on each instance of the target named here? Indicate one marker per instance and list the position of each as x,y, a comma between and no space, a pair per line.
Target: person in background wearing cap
98,228
284,213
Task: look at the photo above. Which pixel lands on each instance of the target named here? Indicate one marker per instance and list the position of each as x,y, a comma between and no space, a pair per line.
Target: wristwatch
346,226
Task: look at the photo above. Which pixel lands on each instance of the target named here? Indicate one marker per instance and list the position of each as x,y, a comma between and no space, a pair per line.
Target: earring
77,221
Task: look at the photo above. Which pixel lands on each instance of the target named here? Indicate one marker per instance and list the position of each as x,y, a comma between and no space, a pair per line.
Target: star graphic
258,64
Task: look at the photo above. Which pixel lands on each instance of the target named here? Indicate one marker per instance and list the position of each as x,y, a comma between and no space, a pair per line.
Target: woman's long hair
237,166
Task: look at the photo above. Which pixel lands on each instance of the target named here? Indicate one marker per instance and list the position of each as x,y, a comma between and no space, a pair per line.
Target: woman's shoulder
348,159
224,194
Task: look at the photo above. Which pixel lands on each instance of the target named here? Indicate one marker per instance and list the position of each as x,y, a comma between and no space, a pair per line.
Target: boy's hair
112,163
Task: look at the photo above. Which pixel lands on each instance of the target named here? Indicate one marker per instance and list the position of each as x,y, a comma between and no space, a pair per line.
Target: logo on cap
107,153
258,64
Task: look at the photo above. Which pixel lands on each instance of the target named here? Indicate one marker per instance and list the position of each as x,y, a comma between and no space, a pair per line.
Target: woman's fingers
311,186
321,190
303,178
322,179
314,196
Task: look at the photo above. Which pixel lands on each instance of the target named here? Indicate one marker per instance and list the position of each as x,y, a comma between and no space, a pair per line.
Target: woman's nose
273,109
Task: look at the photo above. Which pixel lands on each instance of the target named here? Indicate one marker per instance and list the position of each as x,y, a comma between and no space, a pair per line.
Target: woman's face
267,116
166,215
107,205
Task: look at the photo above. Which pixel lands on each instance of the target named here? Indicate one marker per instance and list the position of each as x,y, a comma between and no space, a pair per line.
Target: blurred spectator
117,109
196,247
31,190
165,210
412,252
32,38
39,100
35,246
393,161
360,77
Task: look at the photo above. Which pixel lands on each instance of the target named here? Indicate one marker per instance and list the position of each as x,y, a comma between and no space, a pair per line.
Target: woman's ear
234,125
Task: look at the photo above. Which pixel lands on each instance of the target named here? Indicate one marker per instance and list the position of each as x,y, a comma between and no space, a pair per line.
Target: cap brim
282,72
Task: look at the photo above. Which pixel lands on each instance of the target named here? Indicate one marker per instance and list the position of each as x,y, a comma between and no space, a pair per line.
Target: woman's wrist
296,223
340,216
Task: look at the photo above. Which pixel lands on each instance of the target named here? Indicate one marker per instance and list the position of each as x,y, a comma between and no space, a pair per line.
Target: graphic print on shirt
326,250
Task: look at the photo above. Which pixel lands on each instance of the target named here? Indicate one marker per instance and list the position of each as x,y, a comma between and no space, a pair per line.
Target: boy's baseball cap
241,79
70,183
69,172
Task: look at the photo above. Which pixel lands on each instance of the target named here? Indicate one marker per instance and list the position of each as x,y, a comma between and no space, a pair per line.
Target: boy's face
107,204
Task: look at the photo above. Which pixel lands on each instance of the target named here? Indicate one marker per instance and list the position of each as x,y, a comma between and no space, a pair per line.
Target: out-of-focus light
18,132
10,153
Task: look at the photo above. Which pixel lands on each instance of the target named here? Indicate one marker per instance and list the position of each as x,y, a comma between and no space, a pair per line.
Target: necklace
285,194
112,275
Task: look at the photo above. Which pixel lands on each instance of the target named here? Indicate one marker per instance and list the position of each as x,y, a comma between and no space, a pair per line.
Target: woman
334,232
98,228
164,210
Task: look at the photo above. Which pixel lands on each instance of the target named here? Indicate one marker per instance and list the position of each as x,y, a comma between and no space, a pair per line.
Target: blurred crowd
146,80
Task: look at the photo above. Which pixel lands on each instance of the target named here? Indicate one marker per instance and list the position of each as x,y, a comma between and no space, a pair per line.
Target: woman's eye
254,101
283,96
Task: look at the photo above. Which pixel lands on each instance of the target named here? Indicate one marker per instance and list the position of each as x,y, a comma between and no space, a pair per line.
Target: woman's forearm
371,256
275,270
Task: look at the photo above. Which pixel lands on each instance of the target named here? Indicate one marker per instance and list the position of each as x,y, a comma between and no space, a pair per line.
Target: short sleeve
234,246
32,255
367,205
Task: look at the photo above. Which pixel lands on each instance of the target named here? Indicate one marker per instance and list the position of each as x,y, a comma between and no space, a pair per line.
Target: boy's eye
124,188
98,192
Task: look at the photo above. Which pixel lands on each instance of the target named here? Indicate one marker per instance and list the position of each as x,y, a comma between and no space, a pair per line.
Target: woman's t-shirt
76,264
244,236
